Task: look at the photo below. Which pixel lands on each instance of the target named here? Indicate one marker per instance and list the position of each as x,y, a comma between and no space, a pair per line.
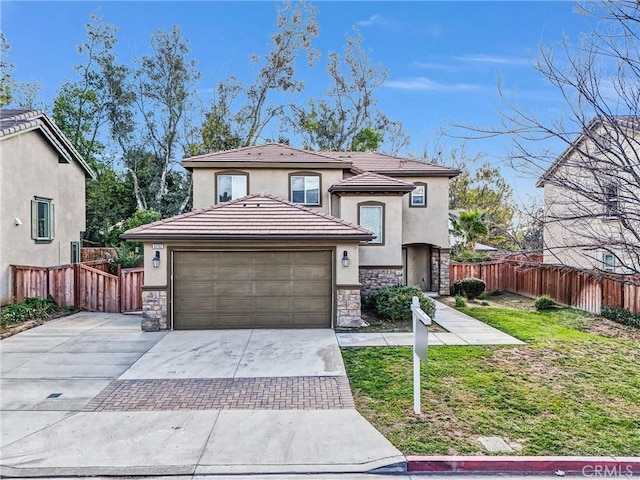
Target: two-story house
592,199
282,237
42,194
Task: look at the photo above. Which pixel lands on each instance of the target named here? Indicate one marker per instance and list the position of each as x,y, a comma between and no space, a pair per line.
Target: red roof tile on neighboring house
371,182
254,217
391,165
268,153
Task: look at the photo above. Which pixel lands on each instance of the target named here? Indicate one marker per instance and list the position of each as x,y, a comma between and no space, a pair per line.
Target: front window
42,219
610,200
371,217
305,189
419,196
231,186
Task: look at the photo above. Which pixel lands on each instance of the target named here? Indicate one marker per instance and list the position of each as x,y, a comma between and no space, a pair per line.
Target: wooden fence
88,286
589,291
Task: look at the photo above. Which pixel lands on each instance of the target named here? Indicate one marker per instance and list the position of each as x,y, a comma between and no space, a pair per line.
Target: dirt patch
15,328
608,328
541,363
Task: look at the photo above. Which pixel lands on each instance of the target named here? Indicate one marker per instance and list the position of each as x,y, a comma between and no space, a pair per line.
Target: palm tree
469,227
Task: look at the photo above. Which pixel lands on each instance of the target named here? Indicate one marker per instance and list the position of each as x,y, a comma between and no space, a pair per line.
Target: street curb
587,466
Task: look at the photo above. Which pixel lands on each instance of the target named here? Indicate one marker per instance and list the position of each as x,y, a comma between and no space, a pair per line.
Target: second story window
305,189
371,217
418,196
42,217
231,186
611,200
609,262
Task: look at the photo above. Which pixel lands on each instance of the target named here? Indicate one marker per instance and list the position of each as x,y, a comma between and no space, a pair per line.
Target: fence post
76,286
119,287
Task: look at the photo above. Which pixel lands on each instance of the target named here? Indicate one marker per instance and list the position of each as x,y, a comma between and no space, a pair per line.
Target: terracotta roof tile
371,182
391,165
267,153
254,217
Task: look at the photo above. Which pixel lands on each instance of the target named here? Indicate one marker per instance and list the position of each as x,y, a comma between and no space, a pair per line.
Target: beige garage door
252,289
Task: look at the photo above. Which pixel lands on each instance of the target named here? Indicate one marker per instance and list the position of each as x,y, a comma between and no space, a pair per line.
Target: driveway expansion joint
261,393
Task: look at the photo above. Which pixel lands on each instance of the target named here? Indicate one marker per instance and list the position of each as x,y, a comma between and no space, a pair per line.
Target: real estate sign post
421,322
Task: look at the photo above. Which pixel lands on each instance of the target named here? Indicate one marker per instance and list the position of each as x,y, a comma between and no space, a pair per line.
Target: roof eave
374,188
416,173
361,237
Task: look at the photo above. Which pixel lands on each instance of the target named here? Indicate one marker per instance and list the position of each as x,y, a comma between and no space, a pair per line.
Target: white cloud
427,85
492,59
373,19
442,67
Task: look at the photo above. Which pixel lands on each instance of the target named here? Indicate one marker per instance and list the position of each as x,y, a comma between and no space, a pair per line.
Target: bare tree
592,189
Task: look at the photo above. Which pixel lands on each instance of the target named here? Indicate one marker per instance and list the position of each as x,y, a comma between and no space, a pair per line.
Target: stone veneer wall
348,307
435,269
154,310
445,260
373,279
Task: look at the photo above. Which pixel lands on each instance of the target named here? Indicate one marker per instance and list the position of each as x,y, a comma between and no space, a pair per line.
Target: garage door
252,289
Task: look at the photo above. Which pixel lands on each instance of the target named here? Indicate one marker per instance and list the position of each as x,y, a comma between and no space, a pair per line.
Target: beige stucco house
291,238
592,199
42,194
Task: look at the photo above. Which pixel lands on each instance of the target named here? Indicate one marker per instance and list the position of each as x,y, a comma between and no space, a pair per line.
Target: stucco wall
30,168
390,253
575,228
261,180
430,224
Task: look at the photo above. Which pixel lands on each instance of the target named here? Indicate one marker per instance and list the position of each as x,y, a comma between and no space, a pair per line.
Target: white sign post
421,322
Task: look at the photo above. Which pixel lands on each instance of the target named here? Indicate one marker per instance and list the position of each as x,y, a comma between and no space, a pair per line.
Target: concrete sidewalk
461,330
90,394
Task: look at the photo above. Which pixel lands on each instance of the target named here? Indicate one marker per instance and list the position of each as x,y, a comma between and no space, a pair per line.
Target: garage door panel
233,289
252,289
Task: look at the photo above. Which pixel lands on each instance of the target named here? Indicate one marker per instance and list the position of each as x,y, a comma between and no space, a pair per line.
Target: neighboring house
42,194
282,237
592,199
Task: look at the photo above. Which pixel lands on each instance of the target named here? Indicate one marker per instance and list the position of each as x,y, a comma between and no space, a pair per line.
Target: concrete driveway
91,394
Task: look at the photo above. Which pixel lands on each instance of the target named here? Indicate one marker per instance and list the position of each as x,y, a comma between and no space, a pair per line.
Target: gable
19,122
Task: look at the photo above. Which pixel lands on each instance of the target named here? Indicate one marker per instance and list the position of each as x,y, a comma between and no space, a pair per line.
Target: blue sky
444,58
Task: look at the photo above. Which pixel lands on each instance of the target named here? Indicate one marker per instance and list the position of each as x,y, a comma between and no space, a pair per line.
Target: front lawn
573,390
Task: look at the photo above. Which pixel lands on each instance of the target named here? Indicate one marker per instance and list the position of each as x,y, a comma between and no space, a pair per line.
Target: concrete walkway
461,330
91,395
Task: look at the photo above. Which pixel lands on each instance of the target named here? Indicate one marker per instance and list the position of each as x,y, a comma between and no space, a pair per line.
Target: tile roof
13,122
371,182
254,217
267,153
391,165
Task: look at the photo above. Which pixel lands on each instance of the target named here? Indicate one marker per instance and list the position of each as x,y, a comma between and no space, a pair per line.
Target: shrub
469,287
29,309
394,303
545,302
482,296
460,301
484,304
622,316
126,257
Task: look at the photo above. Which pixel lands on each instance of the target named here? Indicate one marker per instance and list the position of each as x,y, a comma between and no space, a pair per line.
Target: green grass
568,392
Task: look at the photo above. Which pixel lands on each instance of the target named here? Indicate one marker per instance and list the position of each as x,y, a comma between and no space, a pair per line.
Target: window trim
232,173
382,206
35,219
306,174
609,268
75,247
611,201
413,205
